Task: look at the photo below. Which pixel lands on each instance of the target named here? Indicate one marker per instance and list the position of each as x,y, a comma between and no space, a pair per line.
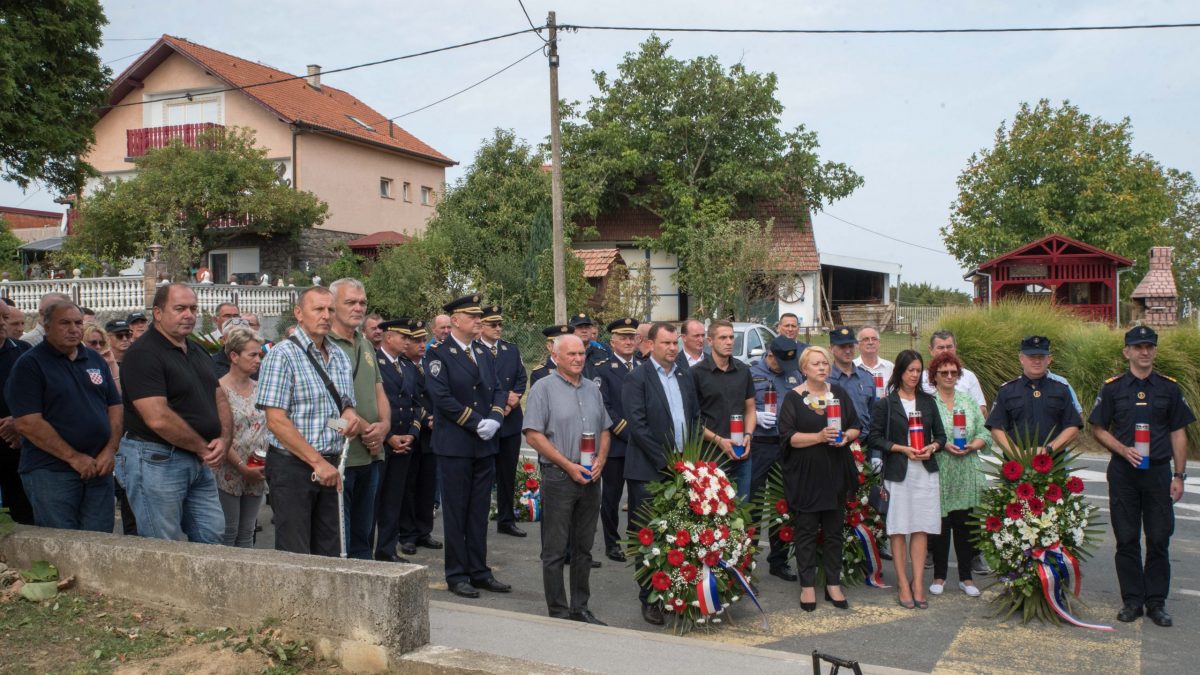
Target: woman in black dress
817,474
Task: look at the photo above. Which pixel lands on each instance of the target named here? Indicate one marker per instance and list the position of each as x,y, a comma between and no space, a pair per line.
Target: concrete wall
364,614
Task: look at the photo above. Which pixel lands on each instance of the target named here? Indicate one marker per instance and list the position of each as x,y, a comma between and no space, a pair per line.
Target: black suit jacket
889,427
651,429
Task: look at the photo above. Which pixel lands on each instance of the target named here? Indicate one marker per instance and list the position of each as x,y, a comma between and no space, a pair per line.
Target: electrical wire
463,91
887,236
368,64
883,31
535,28
122,58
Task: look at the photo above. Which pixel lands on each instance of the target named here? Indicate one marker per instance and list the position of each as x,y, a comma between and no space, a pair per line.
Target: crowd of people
357,428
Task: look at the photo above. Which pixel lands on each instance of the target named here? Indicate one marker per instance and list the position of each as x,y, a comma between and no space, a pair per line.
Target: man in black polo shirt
66,406
725,388
12,493
177,423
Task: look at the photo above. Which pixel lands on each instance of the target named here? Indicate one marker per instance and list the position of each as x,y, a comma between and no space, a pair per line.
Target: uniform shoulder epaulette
599,363
1010,382
1112,379
1168,377
539,366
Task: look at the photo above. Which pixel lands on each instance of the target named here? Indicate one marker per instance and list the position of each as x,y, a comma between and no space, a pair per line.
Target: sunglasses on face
494,324
95,344
948,373
123,336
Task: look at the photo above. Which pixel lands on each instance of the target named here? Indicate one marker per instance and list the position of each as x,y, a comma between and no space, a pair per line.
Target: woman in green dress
962,478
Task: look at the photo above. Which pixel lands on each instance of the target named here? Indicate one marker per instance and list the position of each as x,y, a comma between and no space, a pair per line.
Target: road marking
1185,591
1177,516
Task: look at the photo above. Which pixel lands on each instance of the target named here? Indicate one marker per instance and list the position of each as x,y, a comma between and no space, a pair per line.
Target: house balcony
140,141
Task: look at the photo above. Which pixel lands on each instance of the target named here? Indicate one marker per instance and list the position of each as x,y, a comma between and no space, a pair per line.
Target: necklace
817,401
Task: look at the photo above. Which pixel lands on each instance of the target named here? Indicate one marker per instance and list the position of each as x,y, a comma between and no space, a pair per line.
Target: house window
385,188
197,111
426,195
407,191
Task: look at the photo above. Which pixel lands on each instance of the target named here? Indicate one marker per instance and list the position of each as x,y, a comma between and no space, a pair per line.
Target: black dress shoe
616,555
653,614
511,530
390,557
1129,613
840,604
784,573
463,590
595,563
428,542
1159,616
408,549
586,616
490,584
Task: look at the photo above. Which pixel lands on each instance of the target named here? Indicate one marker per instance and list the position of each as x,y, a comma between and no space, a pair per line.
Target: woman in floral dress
241,487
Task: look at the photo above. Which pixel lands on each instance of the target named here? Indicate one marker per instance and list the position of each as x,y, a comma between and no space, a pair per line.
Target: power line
462,91
292,78
887,236
130,39
884,31
123,57
535,28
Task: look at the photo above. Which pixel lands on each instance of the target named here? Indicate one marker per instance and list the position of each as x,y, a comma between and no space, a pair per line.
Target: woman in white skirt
905,418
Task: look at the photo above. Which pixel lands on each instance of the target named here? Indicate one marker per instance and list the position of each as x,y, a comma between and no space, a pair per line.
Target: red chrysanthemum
781,506
724,531
675,557
786,533
527,467
1043,463
711,558
688,571
994,524
858,456
660,580
679,467
1025,491
645,536
854,519
751,531
862,479
682,538
851,504
707,538
678,603
1012,470
1053,493
1014,511
531,484
1074,485
1036,506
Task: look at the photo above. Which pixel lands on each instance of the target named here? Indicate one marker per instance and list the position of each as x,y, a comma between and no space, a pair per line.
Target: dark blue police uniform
462,387
1142,497
416,514
399,377
510,371
610,374
543,370
1033,411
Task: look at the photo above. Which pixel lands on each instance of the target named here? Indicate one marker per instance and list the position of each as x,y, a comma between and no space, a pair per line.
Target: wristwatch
1180,476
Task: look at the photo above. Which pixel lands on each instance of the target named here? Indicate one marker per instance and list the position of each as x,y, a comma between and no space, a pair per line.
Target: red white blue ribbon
746,588
707,593
1055,565
533,504
871,553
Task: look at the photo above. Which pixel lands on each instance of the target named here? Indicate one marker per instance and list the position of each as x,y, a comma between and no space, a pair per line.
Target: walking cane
341,497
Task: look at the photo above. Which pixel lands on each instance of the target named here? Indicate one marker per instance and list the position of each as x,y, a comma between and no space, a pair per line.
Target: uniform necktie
471,355
493,348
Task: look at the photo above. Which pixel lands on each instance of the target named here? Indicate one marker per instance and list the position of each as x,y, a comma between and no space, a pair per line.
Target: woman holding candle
818,472
239,486
960,473
907,429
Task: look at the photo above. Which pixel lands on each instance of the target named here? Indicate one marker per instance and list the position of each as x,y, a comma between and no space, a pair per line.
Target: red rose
854,519
527,467
1043,463
707,538
660,580
1053,493
688,571
1014,511
858,456
675,557
852,504
724,531
751,532
862,479
1036,506
645,536
1074,485
781,506
679,467
1025,491
711,558
994,524
682,538
786,533
531,484
1012,470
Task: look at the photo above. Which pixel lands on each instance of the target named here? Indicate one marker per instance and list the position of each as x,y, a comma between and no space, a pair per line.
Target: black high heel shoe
808,606
840,604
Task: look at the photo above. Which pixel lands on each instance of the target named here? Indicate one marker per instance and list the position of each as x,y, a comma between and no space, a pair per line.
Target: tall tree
692,142
51,83
1057,170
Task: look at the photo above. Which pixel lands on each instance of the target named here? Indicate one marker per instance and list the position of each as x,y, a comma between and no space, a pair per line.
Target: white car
750,341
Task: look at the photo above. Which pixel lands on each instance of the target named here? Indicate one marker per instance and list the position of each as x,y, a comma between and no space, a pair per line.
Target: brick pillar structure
151,272
1156,293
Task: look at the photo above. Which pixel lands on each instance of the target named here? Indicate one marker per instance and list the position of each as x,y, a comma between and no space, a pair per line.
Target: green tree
51,84
406,280
222,188
724,257
10,256
693,143
928,294
1060,171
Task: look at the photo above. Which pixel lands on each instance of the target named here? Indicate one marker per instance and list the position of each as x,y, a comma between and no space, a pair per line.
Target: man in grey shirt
560,409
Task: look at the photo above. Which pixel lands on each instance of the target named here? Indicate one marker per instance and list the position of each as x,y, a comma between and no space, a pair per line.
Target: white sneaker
971,590
936,589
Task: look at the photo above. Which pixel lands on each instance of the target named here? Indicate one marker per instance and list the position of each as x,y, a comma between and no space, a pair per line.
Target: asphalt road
954,635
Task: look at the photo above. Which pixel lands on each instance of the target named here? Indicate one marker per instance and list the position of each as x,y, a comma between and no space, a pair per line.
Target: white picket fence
126,294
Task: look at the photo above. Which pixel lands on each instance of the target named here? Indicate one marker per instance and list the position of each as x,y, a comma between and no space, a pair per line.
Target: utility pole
556,206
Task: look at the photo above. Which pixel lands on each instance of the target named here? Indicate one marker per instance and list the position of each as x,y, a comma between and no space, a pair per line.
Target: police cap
624,326
1035,345
118,326
555,331
467,304
786,351
841,335
492,313
1141,335
581,319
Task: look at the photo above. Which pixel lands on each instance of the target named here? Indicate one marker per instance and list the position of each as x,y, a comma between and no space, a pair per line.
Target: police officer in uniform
583,326
543,370
416,513
468,407
778,367
1034,408
856,380
401,386
1136,495
510,370
610,374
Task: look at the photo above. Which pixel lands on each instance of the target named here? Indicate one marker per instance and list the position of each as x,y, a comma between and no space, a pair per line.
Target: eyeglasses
122,336
948,373
494,324
95,344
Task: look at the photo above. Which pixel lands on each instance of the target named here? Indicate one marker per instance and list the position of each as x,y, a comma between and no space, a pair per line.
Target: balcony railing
140,141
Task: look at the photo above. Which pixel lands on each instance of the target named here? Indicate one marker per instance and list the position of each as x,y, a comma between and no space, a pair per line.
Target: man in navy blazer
510,370
468,406
660,417
400,383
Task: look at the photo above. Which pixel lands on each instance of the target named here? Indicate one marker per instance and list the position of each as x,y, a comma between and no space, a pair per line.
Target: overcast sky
905,111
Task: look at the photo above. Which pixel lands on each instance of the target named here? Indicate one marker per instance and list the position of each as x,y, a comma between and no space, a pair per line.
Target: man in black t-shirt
177,423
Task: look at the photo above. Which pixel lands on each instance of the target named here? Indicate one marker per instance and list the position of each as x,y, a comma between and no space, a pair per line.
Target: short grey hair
562,339
49,310
50,298
237,339
941,335
350,282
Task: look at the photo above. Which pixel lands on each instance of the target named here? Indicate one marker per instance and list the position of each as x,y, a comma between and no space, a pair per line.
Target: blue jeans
172,493
740,472
63,500
358,508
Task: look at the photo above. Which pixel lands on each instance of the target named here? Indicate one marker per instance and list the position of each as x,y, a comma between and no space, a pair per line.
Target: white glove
765,419
487,428
876,464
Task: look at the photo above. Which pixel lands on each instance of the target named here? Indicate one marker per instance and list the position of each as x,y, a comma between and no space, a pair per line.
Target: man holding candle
567,424
726,392
1141,486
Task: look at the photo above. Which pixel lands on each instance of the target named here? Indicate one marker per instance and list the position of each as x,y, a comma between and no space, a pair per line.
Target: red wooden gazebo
1063,271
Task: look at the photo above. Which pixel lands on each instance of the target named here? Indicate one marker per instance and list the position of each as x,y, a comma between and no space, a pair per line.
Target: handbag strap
329,386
